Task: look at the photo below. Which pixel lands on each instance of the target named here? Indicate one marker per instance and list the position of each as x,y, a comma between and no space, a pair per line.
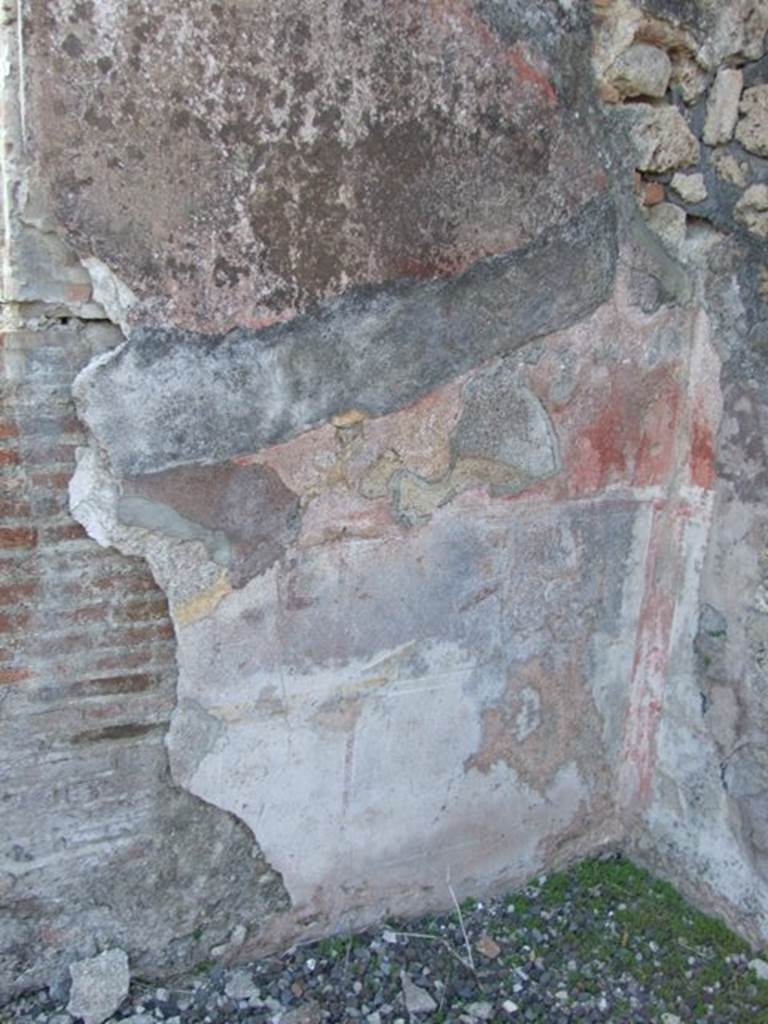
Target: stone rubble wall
410,375
701,179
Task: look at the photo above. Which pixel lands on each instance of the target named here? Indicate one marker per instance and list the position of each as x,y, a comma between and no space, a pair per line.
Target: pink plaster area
303,463
530,69
629,437
652,644
343,515
420,433
706,407
617,400
342,473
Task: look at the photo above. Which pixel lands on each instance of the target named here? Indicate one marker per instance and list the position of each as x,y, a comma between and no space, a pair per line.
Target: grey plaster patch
193,734
504,421
504,441
208,398
672,283
153,515
244,515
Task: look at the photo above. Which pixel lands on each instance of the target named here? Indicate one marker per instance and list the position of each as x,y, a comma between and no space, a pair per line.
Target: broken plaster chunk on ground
417,1000
662,139
241,986
752,210
99,986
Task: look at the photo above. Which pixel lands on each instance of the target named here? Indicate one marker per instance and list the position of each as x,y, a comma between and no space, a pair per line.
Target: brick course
90,817
65,606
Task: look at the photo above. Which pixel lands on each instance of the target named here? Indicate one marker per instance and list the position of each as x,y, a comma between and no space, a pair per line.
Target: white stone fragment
99,985
752,210
240,986
417,1000
690,187
642,70
760,967
752,129
738,32
729,169
113,295
662,139
480,1011
723,106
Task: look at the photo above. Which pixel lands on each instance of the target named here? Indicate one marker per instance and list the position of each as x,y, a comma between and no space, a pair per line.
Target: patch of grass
335,947
634,925
468,906
554,889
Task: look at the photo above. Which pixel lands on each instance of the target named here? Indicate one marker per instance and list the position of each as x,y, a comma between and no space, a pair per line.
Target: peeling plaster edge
93,495
110,298
111,293
10,134
21,82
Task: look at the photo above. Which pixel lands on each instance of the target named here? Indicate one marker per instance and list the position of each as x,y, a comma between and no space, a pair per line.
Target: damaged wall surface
407,372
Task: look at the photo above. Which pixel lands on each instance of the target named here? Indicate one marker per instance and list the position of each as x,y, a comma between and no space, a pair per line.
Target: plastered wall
383,449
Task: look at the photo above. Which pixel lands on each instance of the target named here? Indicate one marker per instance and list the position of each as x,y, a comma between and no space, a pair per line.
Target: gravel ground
603,942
